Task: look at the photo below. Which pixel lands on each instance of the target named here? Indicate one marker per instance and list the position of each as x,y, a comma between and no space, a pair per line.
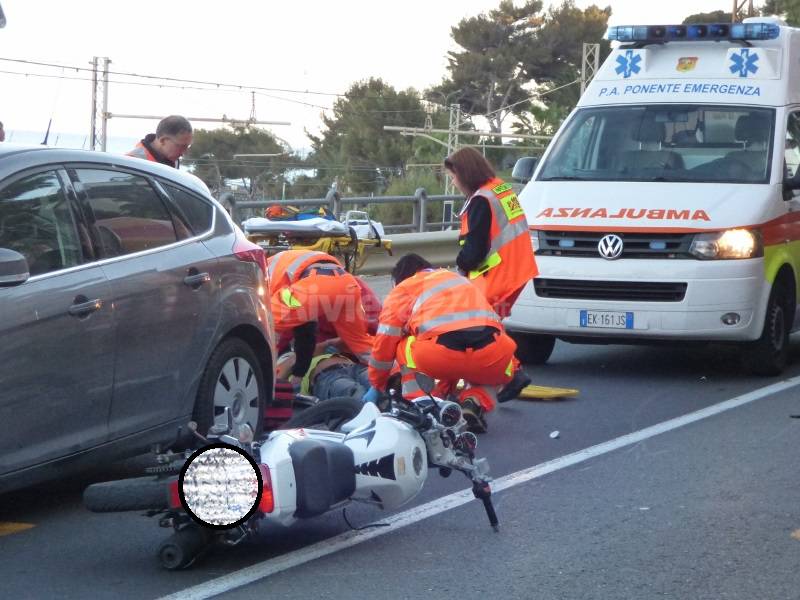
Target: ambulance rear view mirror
524,168
792,183
2,18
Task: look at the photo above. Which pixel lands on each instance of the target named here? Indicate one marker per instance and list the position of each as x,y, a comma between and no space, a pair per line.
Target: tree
717,16
511,49
488,74
354,146
212,154
788,10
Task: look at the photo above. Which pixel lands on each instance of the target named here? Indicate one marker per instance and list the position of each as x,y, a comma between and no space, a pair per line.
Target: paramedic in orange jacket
306,286
172,139
438,323
496,251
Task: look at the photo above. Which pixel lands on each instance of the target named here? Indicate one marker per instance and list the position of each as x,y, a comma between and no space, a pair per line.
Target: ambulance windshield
669,142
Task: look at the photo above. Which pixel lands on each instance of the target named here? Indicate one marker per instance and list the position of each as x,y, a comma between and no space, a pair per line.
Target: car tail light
247,251
174,496
267,504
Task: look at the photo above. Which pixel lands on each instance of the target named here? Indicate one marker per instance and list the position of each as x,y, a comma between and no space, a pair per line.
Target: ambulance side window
791,152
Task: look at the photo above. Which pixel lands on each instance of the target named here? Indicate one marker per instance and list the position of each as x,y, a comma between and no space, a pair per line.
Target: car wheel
533,349
769,354
233,379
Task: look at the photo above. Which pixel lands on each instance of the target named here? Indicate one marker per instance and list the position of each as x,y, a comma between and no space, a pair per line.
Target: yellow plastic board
541,392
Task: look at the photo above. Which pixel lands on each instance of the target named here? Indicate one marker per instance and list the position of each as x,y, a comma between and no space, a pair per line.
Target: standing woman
496,252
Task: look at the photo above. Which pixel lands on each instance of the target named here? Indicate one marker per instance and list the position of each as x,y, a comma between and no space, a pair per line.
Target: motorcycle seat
324,474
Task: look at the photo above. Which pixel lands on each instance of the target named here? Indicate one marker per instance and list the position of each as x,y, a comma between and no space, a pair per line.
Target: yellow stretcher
353,252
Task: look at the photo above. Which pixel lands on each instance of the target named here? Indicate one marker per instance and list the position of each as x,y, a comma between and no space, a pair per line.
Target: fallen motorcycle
222,492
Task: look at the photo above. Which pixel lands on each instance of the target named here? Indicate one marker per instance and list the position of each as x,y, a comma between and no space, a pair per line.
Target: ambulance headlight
728,244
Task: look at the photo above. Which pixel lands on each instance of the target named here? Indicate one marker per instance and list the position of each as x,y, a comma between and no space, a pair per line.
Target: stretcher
351,241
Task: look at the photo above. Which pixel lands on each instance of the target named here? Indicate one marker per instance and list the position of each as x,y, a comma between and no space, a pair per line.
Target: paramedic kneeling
438,323
307,286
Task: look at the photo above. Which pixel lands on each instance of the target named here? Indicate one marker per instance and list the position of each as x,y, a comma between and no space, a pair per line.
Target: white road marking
272,566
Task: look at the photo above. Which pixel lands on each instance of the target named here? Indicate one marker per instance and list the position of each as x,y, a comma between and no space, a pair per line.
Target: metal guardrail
438,247
335,203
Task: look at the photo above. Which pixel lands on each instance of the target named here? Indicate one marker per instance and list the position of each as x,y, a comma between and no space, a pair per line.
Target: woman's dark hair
472,168
408,265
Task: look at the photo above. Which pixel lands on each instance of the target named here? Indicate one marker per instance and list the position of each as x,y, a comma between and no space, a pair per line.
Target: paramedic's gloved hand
372,395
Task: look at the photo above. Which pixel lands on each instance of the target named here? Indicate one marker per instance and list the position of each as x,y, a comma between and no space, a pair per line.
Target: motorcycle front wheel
328,414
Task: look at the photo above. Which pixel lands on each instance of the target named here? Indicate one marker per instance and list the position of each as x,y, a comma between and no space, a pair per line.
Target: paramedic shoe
473,415
514,387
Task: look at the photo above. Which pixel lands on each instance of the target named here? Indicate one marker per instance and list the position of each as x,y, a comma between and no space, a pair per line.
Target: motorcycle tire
141,493
328,414
182,548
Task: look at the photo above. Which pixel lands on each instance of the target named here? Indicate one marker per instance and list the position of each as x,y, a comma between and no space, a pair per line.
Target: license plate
606,319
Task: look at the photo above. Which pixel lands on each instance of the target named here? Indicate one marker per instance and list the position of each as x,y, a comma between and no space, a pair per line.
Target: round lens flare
220,486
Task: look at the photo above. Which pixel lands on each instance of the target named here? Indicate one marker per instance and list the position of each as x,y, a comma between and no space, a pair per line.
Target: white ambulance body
666,207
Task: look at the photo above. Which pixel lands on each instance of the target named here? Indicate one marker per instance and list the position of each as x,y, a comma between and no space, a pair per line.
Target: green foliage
510,48
212,154
354,145
789,10
717,16
400,214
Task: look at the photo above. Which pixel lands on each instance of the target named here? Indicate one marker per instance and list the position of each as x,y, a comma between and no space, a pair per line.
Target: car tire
769,354
533,349
233,378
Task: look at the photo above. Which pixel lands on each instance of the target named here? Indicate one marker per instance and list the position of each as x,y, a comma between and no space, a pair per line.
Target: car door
57,354
163,295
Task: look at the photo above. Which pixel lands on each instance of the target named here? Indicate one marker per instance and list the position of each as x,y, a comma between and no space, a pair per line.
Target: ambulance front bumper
656,299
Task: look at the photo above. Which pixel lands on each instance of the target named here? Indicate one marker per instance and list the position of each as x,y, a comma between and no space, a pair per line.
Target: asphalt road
706,509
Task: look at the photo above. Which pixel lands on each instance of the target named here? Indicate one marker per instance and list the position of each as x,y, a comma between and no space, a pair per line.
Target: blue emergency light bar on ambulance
667,206
713,32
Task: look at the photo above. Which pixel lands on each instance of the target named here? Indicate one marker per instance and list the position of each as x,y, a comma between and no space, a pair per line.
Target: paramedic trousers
483,370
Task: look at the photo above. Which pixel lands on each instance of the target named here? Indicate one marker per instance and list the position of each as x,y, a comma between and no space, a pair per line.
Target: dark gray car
129,304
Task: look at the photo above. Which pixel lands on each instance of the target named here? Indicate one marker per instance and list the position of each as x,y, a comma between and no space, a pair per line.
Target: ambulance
667,206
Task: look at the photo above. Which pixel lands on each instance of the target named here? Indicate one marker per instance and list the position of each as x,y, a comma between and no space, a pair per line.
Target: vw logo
610,246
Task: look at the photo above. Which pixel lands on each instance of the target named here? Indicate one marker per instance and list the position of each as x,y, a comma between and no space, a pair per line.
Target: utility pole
99,126
589,64
738,12
452,140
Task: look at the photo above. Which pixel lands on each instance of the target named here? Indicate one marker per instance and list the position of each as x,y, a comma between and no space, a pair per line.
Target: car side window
37,221
128,214
194,212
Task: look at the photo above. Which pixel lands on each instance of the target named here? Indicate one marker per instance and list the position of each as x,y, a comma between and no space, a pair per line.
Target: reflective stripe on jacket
425,306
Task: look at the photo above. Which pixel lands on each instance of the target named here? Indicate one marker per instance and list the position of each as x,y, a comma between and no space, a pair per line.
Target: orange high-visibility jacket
424,306
509,262
285,267
141,151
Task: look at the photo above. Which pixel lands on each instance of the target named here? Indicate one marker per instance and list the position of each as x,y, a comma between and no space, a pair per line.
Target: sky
316,47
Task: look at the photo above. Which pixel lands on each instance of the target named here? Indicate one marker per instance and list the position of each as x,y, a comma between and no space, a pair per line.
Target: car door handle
83,307
196,280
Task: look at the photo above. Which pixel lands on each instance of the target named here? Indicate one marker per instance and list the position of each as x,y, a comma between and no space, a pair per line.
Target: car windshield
667,142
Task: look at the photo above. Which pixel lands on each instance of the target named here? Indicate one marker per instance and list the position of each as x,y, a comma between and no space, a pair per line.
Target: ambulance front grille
631,291
635,245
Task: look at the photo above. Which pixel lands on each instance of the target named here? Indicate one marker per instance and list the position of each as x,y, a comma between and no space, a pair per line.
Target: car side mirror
13,268
524,168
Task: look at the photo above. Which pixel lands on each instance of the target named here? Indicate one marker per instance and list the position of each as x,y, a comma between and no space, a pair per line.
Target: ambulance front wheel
769,354
533,349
